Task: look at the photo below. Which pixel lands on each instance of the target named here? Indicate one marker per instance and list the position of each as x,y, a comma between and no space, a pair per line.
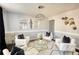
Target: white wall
12,19
59,23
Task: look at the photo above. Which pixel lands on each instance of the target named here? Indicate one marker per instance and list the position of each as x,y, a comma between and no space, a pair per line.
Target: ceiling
50,9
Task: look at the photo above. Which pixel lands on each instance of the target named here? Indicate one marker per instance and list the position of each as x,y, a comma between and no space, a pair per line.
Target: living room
37,27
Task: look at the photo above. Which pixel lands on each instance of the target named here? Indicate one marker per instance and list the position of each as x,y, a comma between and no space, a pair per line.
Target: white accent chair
66,47
21,42
48,37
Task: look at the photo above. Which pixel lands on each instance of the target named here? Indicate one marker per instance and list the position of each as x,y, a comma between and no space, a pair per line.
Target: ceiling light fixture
40,7
40,16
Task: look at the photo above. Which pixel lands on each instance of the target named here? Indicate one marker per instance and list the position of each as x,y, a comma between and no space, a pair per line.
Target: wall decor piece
71,18
66,21
64,18
74,28
31,23
24,24
70,22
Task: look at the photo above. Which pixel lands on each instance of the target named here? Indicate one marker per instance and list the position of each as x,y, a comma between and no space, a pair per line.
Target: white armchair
21,42
48,37
66,46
